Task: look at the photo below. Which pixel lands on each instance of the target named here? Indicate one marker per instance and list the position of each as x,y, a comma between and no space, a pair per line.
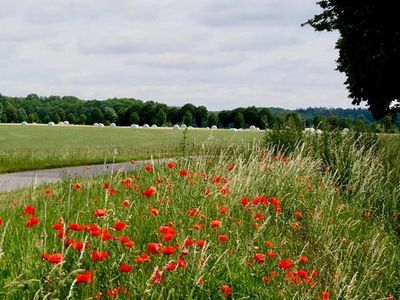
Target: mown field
245,223
40,147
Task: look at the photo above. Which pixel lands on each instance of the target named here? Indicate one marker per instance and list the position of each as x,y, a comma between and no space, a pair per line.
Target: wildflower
244,201
62,234
156,277
55,258
78,245
76,227
183,173
223,210
148,168
106,185
153,248
142,258
48,191
303,259
119,226
101,212
98,255
77,186
325,295
168,250
269,244
285,264
57,226
215,223
231,167
112,191
207,193
32,222
125,203
125,268
170,165
223,238
149,192
85,277
272,254
298,214
201,243
226,290
192,212
259,257
29,210
154,212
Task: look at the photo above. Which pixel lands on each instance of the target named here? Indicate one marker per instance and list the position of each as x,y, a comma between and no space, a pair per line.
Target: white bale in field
154,126
190,127
61,123
100,125
34,123
207,127
66,123
214,127
240,129
318,131
309,130
345,130
134,126
51,124
233,129
183,126
113,125
24,124
257,128
146,126
176,127
252,127
95,124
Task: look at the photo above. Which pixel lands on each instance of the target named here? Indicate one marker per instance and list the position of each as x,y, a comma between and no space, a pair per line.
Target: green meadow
41,147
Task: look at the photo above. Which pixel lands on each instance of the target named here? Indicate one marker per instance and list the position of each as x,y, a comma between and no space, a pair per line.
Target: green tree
386,124
188,118
134,118
82,119
369,49
160,118
238,120
212,119
200,115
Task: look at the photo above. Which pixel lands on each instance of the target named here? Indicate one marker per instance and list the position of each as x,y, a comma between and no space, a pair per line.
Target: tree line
127,111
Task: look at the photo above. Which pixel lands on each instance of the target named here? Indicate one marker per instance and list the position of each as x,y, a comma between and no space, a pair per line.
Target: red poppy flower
303,259
200,243
226,290
275,202
231,167
272,254
48,191
285,264
101,212
106,185
29,210
57,226
223,238
183,173
129,244
244,201
170,165
125,268
188,242
150,191
62,234
325,295
84,277
223,210
125,203
78,245
154,212
156,277
112,191
148,168
269,244
55,258
215,223
76,227
142,258
168,250
32,222
168,237
77,186
192,212
153,248
259,257
98,255
119,226
298,214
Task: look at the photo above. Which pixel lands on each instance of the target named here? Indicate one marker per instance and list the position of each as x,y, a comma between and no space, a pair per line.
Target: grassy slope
356,258
39,147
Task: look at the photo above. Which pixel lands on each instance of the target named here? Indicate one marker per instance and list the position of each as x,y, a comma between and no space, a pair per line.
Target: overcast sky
218,53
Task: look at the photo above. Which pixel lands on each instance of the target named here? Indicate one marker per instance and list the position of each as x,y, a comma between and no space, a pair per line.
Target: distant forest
127,111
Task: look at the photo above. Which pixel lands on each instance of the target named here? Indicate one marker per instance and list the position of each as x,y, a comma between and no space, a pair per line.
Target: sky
219,53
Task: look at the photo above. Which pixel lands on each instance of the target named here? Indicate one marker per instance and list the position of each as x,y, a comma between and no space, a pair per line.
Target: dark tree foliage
369,49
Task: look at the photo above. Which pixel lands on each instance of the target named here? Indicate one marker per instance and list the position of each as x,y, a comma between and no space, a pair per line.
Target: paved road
18,180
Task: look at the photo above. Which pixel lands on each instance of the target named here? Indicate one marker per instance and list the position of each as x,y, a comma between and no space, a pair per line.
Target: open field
39,147
247,224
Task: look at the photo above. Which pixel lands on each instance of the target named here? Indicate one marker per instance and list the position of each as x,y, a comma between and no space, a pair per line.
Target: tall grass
355,256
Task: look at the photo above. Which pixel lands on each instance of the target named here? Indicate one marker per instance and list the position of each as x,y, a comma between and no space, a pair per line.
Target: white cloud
221,54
